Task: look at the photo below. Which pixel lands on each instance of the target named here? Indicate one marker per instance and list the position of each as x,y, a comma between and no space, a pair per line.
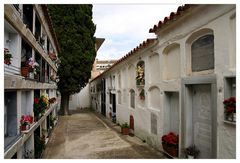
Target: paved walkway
87,135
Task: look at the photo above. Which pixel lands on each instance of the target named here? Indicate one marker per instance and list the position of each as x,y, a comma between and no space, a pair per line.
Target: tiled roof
50,24
172,17
132,52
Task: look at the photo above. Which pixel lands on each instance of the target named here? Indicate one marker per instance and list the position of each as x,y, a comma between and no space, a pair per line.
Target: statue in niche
140,74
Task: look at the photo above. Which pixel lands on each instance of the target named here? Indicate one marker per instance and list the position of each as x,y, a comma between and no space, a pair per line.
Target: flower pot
142,97
24,71
7,61
231,117
170,149
190,157
25,127
125,131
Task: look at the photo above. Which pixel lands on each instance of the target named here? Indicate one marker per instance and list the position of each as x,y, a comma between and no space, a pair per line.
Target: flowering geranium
40,105
26,120
170,139
230,105
7,56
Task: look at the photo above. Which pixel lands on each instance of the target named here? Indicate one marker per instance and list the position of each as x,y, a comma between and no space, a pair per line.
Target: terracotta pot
125,131
24,71
7,61
171,150
142,97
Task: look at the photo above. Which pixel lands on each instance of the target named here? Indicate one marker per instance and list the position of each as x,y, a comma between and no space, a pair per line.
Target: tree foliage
75,33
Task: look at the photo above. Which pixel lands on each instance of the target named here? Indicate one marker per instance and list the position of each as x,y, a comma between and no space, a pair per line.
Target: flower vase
23,128
31,75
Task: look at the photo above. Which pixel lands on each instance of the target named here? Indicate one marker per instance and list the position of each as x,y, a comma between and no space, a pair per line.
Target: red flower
26,119
232,99
230,110
171,139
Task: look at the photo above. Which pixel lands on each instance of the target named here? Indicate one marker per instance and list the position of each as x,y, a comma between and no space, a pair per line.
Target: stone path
86,135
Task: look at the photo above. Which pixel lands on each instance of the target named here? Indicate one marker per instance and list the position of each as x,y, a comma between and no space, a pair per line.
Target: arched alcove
154,98
131,76
154,68
200,51
171,62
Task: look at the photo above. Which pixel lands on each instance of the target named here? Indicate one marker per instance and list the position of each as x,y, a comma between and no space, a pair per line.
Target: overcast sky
126,26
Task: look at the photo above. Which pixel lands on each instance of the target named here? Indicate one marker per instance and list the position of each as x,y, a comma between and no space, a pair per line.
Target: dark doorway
114,107
103,97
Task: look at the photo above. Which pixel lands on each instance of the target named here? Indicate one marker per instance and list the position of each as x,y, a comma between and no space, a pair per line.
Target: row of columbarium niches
19,103
27,61
32,17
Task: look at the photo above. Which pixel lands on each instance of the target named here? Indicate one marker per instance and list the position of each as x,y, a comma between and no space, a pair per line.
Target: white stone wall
81,99
165,75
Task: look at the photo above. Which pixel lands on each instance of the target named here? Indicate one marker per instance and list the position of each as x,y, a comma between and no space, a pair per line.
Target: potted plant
230,109
192,152
170,144
7,56
125,128
26,121
40,105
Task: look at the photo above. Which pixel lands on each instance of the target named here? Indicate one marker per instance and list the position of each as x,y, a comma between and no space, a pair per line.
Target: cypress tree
75,33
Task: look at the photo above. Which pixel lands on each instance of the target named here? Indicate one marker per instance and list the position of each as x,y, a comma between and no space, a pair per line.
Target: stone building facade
30,39
99,66
177,82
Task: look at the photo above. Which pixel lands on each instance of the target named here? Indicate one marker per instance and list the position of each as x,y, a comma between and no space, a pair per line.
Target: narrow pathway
86,135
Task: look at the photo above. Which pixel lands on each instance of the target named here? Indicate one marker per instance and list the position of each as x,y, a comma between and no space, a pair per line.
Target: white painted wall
174,65
81,99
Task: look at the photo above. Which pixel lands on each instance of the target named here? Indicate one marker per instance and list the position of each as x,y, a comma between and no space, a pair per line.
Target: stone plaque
153,123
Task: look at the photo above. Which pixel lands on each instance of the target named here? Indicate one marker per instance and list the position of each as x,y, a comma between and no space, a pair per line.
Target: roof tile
172,17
